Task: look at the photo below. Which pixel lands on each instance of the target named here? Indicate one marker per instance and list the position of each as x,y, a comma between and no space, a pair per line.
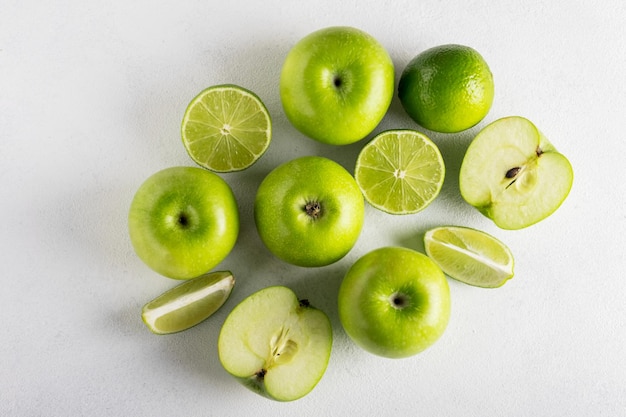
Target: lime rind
188,304
400,171
226,128
470,256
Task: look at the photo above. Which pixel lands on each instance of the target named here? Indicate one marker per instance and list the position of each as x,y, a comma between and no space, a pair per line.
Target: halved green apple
276,345
512,174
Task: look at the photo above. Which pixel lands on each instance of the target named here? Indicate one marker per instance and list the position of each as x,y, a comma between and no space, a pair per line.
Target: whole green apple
183,221
309,211
336,85
394,302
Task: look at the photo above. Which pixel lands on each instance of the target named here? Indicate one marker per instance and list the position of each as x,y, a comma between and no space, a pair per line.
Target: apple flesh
309,211
512,174
394,302
276,345
183,221
336,85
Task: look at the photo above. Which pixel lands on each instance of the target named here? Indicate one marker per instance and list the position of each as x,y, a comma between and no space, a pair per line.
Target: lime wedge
400,171
226,128
470,256
189,303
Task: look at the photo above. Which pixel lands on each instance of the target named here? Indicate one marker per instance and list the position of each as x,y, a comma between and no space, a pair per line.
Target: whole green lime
448,88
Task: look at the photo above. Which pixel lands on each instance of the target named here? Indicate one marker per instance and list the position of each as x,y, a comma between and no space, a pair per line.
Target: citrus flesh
448,88
469,255
400,171
189,303
226,128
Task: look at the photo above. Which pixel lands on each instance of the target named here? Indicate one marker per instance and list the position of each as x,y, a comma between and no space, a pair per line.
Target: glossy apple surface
394,302
183,221
309,211
336,85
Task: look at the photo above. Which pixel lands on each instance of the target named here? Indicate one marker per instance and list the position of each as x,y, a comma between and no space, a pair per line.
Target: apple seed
512,173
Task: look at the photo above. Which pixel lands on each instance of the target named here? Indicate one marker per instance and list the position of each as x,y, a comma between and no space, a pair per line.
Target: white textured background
91,99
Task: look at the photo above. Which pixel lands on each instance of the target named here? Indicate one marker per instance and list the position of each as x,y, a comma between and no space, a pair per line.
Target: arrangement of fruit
336,86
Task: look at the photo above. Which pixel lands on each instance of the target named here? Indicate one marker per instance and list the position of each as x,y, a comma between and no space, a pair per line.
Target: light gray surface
91,99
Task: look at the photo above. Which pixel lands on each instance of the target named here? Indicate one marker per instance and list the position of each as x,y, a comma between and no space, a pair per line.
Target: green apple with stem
309,211
512,174
336,84
275,344
394,302
183,221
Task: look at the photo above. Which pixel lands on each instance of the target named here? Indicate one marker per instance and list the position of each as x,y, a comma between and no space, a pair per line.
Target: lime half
400,171
189,303
226,128
470,256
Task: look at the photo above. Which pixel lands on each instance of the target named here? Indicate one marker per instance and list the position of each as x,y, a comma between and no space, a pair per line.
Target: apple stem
399,301
183,220
538,151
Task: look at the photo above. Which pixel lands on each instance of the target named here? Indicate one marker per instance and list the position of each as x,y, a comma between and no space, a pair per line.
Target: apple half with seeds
512,174
275,344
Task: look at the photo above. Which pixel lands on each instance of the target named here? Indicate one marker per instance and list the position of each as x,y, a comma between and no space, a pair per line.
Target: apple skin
330,230
183,221
336,85
394,302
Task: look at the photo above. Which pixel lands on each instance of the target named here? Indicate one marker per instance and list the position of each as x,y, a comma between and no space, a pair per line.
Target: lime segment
470,256
226,128
189,303
400,171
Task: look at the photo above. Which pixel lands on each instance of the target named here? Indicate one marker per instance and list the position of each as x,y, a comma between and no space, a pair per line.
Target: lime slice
189,303
470,256
400,171
226,128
